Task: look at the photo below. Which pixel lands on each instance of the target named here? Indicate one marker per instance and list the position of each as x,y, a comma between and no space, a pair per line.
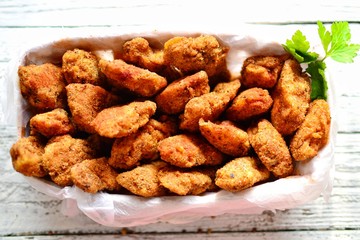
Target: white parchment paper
117,210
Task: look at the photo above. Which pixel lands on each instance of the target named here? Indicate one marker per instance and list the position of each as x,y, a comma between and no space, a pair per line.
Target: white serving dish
124,210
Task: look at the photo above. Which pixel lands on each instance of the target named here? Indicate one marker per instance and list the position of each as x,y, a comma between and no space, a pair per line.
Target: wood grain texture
299,235
138,12
28,214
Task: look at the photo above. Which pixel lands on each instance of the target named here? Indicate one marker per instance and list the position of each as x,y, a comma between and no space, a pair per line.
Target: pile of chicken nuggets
168,121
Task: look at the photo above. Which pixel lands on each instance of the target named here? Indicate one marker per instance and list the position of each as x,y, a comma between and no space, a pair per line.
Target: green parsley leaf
324,35
298,46
345,53
341,50
340,33
319,85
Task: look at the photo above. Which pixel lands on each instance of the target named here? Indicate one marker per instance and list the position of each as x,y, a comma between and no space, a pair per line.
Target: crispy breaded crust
271,148
190,55
43,86
262,71
81,66
189,150
86,101
143,180
226,137
175,96
208,106
63,152
128,151
53,123
291,98
138,80
94,175
184,181
249,103
27,156
138,51
240,173
313,133
121,121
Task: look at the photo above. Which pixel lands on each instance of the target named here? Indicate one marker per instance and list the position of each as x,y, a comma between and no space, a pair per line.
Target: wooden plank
120,13
207,234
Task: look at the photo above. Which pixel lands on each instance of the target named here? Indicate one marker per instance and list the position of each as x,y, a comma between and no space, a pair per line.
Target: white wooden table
28,214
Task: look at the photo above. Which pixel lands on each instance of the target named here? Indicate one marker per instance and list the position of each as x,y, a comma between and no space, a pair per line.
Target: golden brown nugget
226,137
291,98
262,71
189,55
175,96
271,148
138,51
313,133
189,150
184,181
94,175
81,66
208,106
43,86
121,121
63,152
143,180
240,173
27,156
138,80
53,123
128,151
86,101
249,103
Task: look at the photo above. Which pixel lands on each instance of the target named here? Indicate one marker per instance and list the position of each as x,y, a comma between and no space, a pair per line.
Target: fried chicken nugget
271,148
53,123
94,175
138,51
249,103
208,106
43,86
184,181
143,180
313,133
121,121
175,96
138,80
63,152
262,71
189,55
189,150
80,66
240,173
27,156
86,101
127,152
291,98
226,137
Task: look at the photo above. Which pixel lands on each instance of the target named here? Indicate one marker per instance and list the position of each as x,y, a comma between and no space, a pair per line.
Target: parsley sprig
336,45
